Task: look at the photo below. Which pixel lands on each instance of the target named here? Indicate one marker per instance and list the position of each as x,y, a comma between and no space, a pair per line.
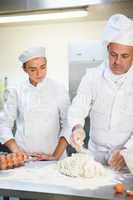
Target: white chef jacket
110,107
40,114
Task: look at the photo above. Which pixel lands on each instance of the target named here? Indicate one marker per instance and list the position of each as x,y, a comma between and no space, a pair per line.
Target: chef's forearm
129,143
12,145
61,146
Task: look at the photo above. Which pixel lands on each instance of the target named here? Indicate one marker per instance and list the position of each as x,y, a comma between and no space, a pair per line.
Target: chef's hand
116,160
43,156
14,148
59,150
77,138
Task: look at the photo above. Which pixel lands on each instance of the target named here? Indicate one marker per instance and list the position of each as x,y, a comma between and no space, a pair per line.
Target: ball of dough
80,165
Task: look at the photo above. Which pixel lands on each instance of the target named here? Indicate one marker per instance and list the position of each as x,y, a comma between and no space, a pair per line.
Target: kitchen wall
55,36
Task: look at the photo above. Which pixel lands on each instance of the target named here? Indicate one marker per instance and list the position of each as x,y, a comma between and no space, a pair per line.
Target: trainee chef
39,106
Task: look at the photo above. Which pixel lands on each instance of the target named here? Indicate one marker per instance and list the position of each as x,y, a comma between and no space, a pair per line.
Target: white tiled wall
55,36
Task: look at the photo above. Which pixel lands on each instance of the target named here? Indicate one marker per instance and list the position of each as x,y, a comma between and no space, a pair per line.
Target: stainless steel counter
28,190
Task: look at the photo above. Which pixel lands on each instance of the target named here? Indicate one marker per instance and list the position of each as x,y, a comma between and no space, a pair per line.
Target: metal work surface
35,190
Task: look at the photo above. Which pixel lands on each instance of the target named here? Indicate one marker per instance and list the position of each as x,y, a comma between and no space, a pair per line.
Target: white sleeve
129,143
8,116
63,105
81,104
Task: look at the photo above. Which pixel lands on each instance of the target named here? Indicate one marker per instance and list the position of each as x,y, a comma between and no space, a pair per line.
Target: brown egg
3,163
129,193
13,155
20,158
13,158
119,188
2,157
3,166
16,162
10,163
9,156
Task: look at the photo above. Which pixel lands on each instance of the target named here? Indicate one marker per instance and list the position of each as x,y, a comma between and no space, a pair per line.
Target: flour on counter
49,175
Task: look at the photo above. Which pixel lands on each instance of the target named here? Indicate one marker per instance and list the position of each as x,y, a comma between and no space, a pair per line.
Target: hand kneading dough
80,165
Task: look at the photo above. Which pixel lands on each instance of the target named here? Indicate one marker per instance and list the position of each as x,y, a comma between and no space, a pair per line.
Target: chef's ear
108,46
24,67
132,54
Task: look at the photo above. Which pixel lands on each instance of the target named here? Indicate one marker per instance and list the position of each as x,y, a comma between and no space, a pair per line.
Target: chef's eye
32,70
43,67
125,56
113,54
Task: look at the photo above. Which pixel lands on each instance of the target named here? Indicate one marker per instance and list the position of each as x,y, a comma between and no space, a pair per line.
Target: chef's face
120,58
36,69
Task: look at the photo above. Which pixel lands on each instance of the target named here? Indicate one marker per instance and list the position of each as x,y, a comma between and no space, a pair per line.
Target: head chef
34,64
106,95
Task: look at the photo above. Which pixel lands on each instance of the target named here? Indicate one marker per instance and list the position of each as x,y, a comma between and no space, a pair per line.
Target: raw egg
119,188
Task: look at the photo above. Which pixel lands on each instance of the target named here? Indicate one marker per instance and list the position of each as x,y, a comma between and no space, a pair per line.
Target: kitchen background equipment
3,91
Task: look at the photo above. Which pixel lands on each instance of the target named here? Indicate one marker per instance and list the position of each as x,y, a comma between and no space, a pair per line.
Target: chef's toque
31,53
119,29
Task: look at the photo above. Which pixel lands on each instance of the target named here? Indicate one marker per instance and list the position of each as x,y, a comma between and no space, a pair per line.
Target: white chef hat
31,53
119,29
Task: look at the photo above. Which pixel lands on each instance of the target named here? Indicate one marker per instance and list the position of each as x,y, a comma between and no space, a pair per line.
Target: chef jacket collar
39,85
